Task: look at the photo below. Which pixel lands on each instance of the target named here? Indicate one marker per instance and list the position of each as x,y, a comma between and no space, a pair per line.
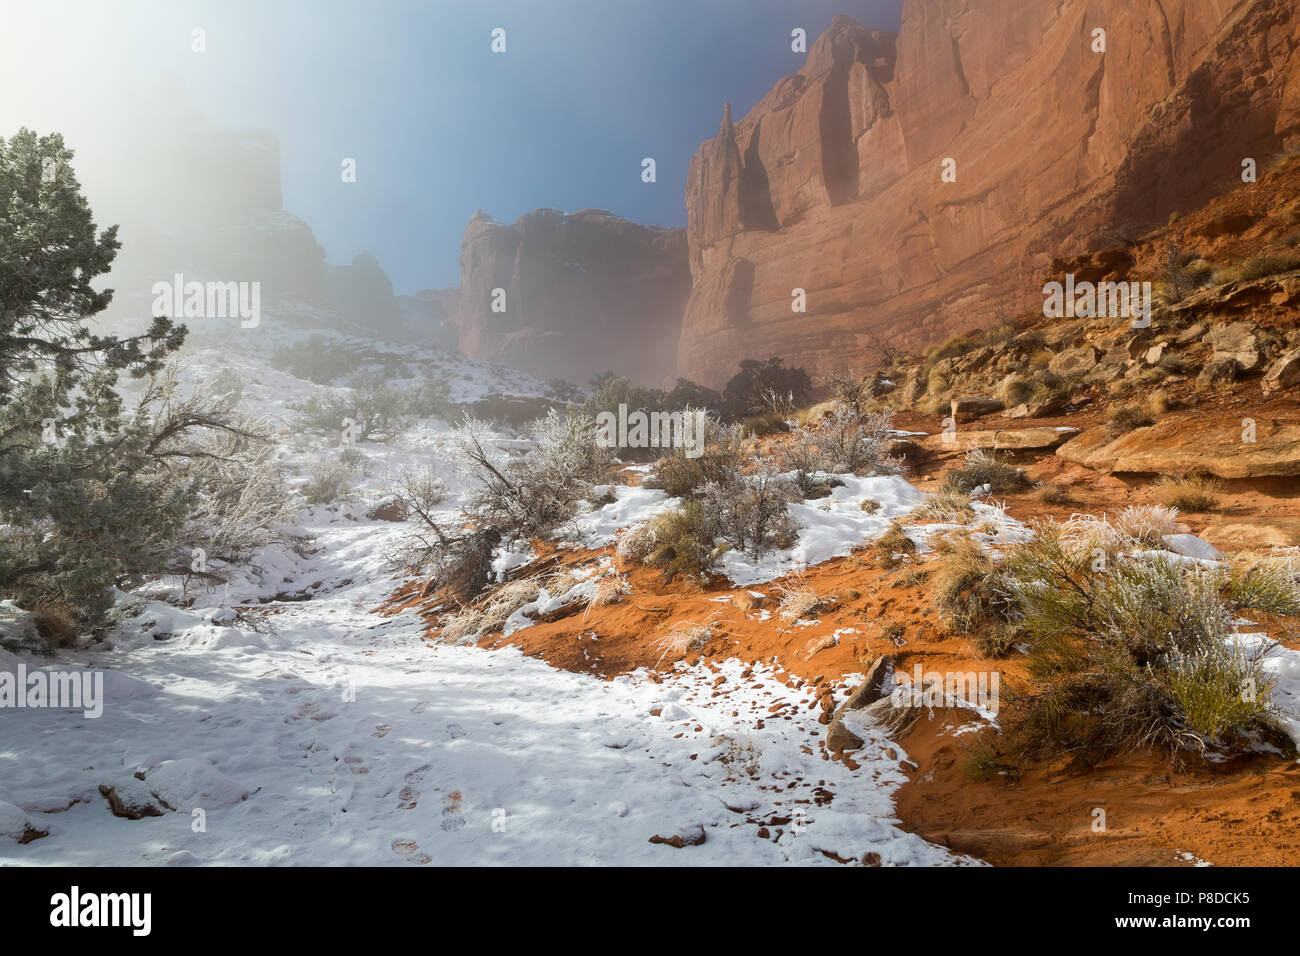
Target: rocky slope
584,292
832,183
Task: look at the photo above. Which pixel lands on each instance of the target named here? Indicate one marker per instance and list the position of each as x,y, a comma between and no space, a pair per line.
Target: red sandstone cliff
585,292
832,182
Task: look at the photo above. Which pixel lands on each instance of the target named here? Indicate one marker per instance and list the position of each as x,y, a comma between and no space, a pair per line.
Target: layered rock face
583,293
833,182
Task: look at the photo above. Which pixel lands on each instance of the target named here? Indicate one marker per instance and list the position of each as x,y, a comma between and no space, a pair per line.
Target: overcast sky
438,124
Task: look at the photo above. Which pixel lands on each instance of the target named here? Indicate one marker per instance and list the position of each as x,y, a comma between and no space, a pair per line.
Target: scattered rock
1220,368
1237,341
692,835
816,645
15,825
1189,545
132,800
840,738
969,407
188,782
394,509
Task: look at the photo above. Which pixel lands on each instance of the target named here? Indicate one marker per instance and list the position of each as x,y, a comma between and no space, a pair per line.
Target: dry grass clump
966,585
1189,492
895,540
982,467
946,506
684,637
1053,494
799,600
1125,419
635,544
1014,390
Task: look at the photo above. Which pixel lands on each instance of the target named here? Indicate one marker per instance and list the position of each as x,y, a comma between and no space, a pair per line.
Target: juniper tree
85,498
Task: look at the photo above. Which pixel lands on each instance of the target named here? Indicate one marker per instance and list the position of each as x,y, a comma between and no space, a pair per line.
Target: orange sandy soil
1242,813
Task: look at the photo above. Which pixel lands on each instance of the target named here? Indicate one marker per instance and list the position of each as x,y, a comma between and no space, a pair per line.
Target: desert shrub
765,387
369,408
328,480
682,542
1266,265
966,586
532,494
1266,585
853,391
1130,653
429,397
842,443
936,382
421,490
981,467
752,513
1125,419
1189,492
687,394
318,359
726,448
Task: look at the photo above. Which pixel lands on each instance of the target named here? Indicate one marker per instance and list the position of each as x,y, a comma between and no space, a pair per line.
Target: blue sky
438,124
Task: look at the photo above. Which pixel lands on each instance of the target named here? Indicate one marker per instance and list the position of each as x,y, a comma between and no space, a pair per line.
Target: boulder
1220,368
838,737
970,407
1074,363
1284,373
1236,340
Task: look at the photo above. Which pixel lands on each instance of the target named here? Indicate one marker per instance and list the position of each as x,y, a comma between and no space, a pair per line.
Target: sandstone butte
832,184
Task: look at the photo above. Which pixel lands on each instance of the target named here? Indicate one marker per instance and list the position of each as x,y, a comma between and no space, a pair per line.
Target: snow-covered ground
323,732
267,729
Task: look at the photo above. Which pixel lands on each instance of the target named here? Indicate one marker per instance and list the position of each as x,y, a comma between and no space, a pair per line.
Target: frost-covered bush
752,512
328,480
843,443
533,493
725,450
509,498
369,407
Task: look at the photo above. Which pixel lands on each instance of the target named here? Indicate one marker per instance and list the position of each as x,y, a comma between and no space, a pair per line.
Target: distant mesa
582,293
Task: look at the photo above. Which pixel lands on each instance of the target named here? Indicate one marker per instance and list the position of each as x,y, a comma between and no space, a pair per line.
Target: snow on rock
1190,546
186,783
13,822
